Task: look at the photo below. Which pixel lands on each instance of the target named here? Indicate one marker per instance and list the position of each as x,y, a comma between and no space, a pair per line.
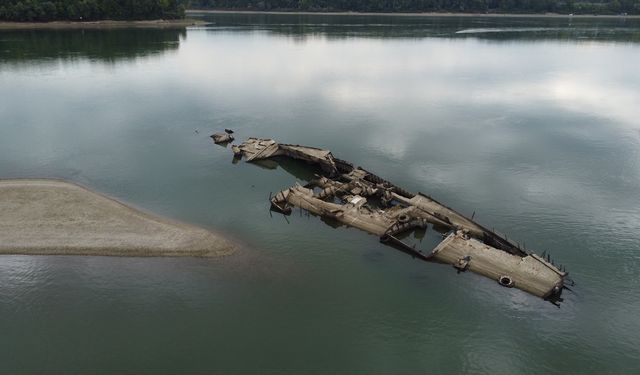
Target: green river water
532,123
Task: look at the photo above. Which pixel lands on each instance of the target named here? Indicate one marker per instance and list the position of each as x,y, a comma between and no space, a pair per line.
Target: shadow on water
104,45
298,169
301,26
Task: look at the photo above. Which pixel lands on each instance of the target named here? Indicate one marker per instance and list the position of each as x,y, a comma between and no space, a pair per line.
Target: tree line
472,6
89,10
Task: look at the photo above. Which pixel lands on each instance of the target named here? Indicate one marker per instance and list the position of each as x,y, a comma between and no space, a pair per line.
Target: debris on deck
360,199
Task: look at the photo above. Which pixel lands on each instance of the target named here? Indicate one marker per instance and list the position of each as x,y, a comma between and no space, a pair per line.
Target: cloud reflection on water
538,137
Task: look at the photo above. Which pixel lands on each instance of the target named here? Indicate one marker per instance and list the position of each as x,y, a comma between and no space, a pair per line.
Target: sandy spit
53,217
107,24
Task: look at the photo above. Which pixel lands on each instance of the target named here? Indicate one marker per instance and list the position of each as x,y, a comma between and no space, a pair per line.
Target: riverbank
405,14
106,24
53,217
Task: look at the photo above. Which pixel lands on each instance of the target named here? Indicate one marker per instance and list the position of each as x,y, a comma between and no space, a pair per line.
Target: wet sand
107,24
53,217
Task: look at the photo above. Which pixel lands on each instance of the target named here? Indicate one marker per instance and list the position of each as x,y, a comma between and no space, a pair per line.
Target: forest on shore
89,10
454,6
93,10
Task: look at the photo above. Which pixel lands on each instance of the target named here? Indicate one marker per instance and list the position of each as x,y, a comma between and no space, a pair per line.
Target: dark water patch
102,45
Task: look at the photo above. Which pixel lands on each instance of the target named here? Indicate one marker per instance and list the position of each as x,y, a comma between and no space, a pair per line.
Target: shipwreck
358,198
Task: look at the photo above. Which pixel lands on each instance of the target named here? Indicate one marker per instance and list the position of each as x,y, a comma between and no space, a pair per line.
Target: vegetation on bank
89,10
470,6
94,10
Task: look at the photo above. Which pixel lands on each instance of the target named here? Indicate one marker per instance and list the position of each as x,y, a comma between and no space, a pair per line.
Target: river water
531,123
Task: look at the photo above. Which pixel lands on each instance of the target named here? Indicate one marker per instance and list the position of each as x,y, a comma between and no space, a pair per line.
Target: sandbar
54,217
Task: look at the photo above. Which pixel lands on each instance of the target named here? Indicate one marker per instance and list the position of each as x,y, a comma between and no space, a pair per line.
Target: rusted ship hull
360,199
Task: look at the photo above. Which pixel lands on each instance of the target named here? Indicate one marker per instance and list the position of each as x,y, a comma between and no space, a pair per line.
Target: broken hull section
358,198
529,273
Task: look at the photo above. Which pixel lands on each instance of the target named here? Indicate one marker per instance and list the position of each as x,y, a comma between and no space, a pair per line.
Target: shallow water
532,123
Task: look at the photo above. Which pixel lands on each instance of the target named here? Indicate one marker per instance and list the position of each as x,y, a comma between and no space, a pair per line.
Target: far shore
54,217
183,23
406,14
105,24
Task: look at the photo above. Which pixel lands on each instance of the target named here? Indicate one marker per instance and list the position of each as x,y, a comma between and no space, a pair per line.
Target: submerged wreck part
222,138
52,217
360,199
256,149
